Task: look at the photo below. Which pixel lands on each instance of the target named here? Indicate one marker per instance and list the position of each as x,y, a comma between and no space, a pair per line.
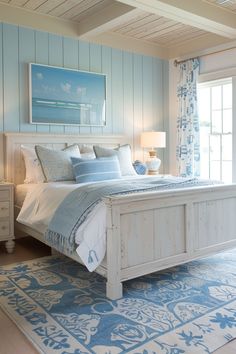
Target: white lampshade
153,139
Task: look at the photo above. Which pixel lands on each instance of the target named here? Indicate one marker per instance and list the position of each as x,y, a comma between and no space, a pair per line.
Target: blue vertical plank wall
165,116
136,98
11,104
138,104
26,55
42,57
117,111
128,95
148,117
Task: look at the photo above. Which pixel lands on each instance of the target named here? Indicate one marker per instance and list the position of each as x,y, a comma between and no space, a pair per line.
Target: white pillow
124,156
88,156
34,173
86,151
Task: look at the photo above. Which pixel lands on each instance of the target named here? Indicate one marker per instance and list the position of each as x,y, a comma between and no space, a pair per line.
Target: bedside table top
5,183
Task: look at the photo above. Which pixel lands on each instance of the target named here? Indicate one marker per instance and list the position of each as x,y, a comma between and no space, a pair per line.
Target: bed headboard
13,159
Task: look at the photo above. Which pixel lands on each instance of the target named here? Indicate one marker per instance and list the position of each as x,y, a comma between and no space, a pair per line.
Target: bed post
114,286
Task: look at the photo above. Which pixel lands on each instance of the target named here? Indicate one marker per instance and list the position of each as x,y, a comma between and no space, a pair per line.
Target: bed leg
10,245
114,291
114,288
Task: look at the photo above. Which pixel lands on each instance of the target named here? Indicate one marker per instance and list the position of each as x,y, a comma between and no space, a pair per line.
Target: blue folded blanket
74,209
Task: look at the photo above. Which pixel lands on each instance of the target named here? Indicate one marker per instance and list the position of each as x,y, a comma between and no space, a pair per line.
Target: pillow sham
56,164
88,155
94,170
124,156
33,169
86,151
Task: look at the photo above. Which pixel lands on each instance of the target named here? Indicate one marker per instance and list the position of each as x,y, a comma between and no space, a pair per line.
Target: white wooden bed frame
150,231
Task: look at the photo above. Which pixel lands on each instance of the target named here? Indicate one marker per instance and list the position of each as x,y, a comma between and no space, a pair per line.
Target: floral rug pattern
62,308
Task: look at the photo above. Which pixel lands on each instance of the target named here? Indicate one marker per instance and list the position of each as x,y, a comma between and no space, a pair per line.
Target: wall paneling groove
136,98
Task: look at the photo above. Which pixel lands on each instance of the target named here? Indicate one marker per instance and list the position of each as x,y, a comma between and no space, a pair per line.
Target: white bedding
21,191
39,206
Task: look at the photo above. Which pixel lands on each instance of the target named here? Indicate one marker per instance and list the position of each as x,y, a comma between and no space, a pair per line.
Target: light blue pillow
124,155
99,169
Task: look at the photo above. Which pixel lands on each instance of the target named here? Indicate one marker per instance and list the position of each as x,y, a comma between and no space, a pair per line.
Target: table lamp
153,140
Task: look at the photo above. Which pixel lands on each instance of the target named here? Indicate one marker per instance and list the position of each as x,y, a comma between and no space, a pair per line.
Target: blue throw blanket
74,209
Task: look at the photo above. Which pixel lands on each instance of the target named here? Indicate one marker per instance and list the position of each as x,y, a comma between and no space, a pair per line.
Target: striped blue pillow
99,169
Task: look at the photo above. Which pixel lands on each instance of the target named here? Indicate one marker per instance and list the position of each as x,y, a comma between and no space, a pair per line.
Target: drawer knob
3,227
3,208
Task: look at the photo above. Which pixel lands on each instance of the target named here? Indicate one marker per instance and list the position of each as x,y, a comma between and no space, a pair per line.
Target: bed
146,232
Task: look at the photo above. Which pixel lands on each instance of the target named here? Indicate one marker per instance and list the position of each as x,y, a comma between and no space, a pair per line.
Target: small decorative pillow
33,169
140,167
86,151
56,164
124,156
99,169
88,155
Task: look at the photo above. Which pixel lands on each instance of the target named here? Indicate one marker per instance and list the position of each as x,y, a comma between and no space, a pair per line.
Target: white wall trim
217,75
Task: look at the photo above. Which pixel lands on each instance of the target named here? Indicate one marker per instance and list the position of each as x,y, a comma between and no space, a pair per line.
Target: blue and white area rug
62,308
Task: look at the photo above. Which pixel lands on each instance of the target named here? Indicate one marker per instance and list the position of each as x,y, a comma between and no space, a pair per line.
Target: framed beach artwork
66,96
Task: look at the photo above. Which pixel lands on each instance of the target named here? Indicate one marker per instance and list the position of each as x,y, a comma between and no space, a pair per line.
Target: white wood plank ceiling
158,29
160,23
74,10
225,4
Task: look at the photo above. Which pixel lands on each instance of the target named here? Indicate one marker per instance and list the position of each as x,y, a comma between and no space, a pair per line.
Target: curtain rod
178,62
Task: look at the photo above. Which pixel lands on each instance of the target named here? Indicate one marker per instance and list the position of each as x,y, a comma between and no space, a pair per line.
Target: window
215,114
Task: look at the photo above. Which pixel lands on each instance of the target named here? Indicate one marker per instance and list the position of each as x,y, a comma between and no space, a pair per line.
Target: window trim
221,82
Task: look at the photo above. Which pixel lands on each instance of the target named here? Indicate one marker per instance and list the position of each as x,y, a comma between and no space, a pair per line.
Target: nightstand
7,215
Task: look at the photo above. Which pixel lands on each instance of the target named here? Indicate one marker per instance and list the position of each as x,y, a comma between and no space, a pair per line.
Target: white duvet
40,205
38,209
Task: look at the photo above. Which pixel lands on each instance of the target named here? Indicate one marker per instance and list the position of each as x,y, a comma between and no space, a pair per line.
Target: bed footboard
152,231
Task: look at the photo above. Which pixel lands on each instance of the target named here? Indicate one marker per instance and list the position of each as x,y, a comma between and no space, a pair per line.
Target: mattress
20,192
40,202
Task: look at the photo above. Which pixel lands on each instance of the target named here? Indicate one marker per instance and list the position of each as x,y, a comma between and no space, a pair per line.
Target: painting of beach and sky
64,96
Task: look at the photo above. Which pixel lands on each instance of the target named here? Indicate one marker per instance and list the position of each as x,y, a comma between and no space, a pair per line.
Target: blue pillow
99,169
140,167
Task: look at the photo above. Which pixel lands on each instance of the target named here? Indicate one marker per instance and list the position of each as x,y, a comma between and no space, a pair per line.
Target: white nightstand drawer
4,194
4,228
4,209
7,215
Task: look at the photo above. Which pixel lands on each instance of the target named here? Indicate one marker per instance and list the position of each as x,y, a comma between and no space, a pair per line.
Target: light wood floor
12,341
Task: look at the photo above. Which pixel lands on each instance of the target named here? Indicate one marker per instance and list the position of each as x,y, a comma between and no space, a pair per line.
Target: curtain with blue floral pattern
188,149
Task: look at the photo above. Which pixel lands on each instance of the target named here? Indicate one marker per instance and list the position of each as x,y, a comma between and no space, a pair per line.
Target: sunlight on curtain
187,150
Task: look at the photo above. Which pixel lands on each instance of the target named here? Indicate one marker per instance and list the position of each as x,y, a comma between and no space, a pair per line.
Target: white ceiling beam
191,12
116,40
23,17
106,19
